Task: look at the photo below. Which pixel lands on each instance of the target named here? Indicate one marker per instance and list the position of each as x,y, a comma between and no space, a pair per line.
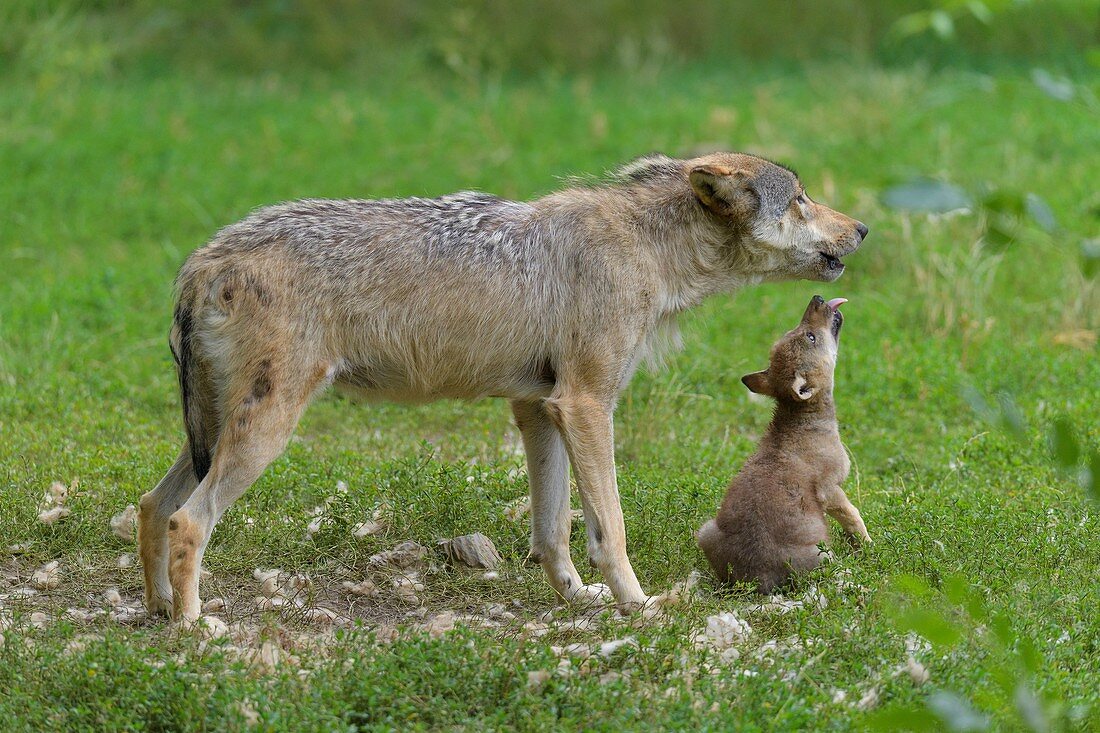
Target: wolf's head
802,362
785,232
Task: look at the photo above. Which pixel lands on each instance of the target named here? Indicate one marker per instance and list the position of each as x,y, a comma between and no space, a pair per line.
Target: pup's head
785,232
802,362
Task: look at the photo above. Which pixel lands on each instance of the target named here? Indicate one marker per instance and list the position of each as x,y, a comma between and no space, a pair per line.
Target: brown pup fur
551,304
772,520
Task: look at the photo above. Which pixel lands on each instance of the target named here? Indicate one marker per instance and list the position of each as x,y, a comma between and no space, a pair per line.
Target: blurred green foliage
479,38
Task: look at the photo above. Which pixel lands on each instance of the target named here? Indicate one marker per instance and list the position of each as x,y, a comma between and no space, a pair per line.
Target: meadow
968,335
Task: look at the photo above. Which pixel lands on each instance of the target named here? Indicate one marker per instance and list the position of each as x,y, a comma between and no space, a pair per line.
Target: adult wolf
550,303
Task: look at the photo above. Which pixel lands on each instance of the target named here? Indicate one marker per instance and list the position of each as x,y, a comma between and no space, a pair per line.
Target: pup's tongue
835,303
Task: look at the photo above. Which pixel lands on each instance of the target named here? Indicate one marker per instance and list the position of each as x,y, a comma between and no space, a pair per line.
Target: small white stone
365,529
296,585
537,678
726,629
917,671
407,587
323,616
815,599
533,629
270,654
610,647
498,611
405,555
581,625
262,575
271,586
80,615
57,493
49,516
265,603
517,509
112,597
48,576
869,699
490,575
440,624
364,587
214,605
125,560
39,620
124,524
211,627
248,713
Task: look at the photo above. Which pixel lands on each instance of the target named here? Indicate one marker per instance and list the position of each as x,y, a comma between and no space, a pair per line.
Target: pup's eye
801,199
811,337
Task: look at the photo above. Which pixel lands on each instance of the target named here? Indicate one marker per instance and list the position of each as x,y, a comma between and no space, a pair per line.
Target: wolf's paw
157,605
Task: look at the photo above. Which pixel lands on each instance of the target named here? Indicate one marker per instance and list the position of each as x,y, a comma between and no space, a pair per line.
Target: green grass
108,186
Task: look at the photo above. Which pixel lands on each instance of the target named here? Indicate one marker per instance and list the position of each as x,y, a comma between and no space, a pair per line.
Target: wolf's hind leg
265,406
154,508
548,476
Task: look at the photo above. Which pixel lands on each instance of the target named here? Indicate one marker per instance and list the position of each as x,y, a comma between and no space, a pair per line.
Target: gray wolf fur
772,520
551,304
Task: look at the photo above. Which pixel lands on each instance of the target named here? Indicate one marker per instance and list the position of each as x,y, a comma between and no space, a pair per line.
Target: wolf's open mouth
831,262
838,318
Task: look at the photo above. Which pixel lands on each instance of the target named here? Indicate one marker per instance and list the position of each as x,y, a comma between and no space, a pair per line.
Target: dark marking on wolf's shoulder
261,385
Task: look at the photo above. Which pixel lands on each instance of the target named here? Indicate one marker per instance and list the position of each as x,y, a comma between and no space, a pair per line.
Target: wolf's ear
801,389
722,190
759,383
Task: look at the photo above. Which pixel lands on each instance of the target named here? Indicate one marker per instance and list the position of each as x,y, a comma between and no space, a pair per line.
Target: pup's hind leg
548,476
154,508
264,403
714,544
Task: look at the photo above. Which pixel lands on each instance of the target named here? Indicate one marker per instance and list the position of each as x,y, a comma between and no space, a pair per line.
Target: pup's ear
722,190
759,383
801,389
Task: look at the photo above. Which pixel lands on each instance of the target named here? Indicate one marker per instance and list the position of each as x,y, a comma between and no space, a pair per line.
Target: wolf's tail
198,420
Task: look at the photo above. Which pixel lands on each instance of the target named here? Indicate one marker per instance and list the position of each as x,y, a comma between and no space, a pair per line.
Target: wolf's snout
862,229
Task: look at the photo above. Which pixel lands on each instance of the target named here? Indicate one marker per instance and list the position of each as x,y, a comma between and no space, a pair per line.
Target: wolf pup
772,519
551,304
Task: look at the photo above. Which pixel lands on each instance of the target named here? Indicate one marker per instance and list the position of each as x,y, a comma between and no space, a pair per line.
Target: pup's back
772,520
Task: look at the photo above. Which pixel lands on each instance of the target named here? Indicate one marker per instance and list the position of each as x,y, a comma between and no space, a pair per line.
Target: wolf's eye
811,337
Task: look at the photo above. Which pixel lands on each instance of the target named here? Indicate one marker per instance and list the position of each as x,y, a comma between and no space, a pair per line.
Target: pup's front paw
858,539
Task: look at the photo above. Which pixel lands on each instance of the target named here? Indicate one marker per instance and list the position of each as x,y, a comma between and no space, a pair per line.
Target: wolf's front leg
843,511
586,425
548,476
